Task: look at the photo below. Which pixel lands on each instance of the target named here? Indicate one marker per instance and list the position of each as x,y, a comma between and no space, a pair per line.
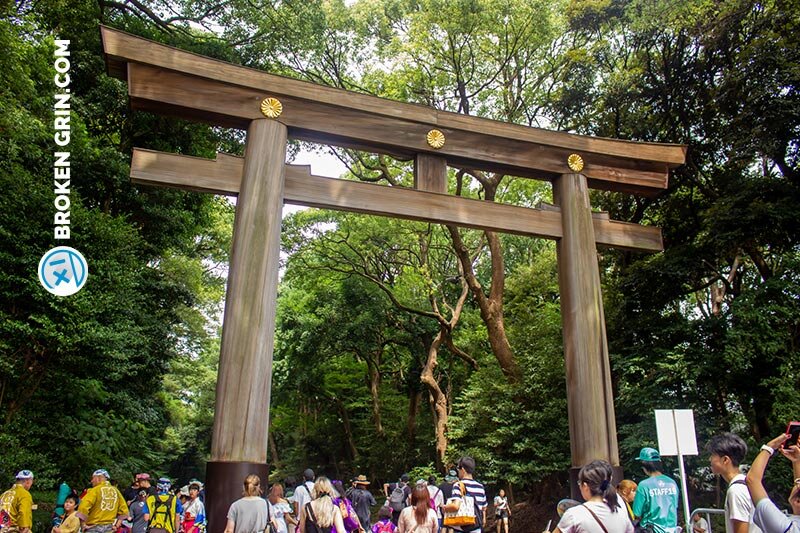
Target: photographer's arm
756,473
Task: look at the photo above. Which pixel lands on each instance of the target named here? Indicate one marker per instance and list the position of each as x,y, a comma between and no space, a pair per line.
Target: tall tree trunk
373,368
491,305
348,430
273,450
413,409
439,400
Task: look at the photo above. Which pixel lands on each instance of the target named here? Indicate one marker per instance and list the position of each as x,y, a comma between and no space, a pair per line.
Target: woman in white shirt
602,511
418,517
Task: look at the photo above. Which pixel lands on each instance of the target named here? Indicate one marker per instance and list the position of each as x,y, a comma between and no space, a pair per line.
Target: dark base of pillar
224,485
574,491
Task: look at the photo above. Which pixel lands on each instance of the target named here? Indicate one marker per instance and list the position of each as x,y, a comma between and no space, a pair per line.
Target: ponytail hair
597,476
252,486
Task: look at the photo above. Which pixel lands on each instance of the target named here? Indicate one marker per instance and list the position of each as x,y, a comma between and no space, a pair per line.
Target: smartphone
793,430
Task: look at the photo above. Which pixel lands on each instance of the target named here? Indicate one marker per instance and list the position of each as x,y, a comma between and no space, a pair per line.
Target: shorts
104,528
502,514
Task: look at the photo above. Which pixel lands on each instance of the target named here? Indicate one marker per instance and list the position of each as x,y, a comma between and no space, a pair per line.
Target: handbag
465,515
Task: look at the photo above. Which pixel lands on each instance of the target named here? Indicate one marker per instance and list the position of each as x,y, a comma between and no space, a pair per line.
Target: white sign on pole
676,436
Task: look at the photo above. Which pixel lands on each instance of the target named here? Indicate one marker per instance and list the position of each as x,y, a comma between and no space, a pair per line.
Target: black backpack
311,522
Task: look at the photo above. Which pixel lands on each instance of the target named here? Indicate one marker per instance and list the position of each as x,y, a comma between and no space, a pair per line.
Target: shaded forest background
398,344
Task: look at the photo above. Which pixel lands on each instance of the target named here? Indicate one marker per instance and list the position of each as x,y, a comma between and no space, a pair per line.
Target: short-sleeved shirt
436,495
249,514
302,495
447,490
579,519
739,505
138,510
772,520
362,501
474,489
102,504
278,511
408,521
701,523
17,502
656,503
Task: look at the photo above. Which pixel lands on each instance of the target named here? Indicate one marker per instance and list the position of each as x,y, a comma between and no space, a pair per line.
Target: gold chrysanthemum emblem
271,107
575,162
435,139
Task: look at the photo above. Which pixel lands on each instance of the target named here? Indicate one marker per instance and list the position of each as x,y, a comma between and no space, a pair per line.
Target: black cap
404,478
308,474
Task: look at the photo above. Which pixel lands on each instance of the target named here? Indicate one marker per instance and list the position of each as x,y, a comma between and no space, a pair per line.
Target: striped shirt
474,489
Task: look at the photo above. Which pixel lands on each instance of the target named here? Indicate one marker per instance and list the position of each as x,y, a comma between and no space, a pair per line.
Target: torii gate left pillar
241,415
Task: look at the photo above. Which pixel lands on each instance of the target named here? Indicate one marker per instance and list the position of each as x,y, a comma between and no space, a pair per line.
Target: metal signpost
676,436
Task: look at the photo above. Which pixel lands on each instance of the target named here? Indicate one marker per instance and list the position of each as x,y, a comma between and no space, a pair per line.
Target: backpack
397,498
384,527
162,518
311,522
432,500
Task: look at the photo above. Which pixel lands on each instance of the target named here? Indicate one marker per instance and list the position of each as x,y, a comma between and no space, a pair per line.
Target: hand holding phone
793,430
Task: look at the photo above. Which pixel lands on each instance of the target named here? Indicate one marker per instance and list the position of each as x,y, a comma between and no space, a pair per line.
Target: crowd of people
458,504
652,505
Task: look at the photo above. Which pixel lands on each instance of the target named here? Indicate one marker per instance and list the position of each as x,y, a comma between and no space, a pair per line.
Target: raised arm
756,473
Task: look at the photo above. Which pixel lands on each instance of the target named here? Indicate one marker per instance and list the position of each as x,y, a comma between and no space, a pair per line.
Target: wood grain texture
223,176
229,93
430,173
590,406
241,416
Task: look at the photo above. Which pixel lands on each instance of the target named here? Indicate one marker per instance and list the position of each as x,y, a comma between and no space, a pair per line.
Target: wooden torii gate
166,80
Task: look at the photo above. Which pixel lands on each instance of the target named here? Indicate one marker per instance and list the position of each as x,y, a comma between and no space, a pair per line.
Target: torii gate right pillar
590,402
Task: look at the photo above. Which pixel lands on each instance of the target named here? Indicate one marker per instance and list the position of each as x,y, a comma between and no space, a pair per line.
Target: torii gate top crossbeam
171,81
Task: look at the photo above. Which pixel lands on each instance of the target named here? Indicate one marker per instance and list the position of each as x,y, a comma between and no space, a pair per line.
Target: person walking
602,511
468,486
656,501
138,513
281,509
349,516
362,500
727,452
320,515
248,514
166,510
419,517
302,494
501,511
194,513
103,507
397,495
626,489
16,505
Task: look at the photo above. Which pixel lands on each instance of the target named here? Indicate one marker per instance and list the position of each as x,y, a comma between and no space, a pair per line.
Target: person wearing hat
446,489
362,500
103,507
397,495
302,494
165,509
16,505
656,501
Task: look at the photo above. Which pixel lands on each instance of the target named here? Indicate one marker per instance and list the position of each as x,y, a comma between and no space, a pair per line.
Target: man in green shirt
656,501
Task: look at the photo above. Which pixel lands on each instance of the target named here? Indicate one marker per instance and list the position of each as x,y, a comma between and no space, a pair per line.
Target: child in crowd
384,523
70,522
